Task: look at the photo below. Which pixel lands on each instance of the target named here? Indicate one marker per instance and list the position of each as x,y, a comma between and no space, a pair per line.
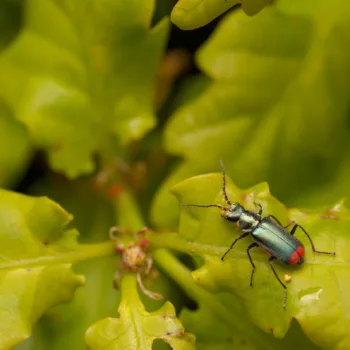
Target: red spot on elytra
294,258
300,250
296,255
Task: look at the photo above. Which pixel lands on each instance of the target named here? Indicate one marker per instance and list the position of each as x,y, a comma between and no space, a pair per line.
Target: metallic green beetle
267,232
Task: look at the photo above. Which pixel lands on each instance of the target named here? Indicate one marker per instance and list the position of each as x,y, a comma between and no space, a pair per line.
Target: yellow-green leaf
191,14
73,77
136,328
279,95
35,273
317,292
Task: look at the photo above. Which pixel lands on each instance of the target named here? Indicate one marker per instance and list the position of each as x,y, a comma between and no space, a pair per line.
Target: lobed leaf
219,320
317,292
35,273
203,323
136,328
191,14
73,77
278,98
64,326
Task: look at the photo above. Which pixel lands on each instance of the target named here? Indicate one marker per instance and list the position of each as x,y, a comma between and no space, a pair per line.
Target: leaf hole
159,344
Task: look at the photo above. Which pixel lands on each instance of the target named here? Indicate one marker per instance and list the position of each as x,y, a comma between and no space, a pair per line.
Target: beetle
267,233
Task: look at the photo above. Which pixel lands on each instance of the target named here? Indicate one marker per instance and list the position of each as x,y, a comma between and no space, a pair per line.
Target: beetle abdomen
278,242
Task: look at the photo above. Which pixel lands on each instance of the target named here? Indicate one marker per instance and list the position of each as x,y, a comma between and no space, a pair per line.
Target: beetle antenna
204,206
224,183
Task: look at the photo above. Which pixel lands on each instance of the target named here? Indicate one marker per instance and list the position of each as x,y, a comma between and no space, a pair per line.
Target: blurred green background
101,95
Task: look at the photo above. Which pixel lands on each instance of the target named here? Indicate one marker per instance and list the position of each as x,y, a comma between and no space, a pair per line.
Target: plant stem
129,290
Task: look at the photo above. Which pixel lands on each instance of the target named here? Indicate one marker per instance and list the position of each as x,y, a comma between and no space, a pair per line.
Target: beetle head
233,213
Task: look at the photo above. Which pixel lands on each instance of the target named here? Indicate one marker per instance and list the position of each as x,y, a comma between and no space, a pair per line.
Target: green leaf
235,331
15,151
63,326
73,77
317,292
34,270
136,328
278,98
203,323
220,321
191,14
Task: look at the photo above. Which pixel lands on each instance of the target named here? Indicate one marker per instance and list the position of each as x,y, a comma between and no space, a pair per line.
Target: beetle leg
279,223
256,203
292,223
311,242
271,259
234,242
251,261
274,217
260,208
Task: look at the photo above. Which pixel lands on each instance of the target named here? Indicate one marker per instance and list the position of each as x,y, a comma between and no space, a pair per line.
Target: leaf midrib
85,252
172,241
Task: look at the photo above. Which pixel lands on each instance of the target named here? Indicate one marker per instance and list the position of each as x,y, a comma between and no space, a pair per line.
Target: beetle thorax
233,213
248,221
